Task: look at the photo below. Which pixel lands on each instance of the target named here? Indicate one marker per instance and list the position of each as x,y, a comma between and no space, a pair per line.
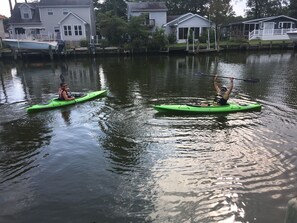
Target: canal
115,159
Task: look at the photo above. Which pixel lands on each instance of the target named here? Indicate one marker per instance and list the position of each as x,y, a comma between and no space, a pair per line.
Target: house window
78,30
195,32
285,25
67,31
25,12
19,31
26,15
65,11
183,33
50,12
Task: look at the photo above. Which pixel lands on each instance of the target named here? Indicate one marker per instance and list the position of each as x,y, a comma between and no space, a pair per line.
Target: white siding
159,17
194,22
51,21
76,35
2,33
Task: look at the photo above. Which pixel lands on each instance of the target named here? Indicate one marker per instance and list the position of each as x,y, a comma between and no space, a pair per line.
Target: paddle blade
201,73
252,80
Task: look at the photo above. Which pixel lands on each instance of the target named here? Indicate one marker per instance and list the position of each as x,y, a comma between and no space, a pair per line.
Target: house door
57,33
268,28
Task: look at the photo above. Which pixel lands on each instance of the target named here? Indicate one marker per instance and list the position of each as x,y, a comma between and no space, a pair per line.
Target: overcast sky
238,7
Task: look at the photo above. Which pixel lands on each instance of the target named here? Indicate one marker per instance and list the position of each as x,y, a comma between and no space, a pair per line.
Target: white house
155,13
181,26
268,28
2,31
68,20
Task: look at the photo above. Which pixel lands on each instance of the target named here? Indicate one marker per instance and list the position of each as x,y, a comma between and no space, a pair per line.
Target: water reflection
66,116
143,165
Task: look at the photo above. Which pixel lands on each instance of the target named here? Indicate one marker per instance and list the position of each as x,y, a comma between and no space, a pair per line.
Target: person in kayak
223,93
64,93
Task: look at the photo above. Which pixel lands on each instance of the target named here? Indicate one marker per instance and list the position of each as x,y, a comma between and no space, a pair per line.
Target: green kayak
55,103
192,109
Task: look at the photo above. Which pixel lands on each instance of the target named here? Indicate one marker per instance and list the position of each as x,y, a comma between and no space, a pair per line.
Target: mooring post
15,54
51,53
291,215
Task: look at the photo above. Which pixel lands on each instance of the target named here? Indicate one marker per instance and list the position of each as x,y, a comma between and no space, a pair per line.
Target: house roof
64,2
72,14
184,18
16,14
256,21
267,19
147,6
172,17
2,17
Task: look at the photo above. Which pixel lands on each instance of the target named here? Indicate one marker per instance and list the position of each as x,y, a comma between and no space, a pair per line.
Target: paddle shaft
252,80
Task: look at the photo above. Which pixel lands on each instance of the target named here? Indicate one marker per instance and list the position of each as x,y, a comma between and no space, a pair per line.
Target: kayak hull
56,103
196,109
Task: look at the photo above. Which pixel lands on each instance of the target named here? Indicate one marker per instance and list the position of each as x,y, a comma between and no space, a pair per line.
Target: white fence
270,34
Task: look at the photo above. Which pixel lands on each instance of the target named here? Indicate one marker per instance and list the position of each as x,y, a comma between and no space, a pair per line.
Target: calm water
115,159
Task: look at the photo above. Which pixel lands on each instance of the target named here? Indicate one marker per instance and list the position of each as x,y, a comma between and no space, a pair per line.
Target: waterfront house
268,28
68,20
181,26
2,30
156,17
155,13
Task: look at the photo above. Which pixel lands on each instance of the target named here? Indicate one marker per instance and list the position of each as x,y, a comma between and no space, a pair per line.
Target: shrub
84,43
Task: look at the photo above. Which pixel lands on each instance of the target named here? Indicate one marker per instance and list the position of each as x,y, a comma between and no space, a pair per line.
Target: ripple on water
204,165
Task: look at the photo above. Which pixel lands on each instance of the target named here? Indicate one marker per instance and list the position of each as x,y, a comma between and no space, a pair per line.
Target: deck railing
273,33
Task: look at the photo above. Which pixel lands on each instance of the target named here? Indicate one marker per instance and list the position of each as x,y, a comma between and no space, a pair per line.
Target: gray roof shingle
16,14
64,2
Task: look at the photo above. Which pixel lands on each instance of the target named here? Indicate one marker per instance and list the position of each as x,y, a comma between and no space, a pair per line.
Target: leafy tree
137,34
178,7
219,12
112,27
116,7
158,40
293,8
195,6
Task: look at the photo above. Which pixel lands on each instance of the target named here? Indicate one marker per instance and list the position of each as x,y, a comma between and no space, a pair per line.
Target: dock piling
291,215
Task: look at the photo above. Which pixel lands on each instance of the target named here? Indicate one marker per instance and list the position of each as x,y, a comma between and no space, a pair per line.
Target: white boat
23,44
292,35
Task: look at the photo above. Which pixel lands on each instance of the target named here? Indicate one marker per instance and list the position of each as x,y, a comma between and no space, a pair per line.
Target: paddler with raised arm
222,92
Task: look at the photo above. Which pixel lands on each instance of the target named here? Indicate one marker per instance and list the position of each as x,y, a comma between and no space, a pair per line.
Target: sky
238,7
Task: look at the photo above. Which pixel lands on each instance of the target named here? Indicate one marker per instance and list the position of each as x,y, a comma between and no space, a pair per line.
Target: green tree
219,13
265,8
178,7
293,8
112,27
137,34
116,7
158,40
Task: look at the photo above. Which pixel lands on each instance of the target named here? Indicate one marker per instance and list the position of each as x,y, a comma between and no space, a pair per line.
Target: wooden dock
117,51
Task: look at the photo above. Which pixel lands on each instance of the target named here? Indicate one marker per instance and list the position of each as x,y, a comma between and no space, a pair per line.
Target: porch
270,34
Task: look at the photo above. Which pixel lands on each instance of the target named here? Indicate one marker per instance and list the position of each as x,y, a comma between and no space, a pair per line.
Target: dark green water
114,159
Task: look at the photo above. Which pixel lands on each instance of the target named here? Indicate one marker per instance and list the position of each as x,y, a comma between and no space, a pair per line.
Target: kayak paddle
250,80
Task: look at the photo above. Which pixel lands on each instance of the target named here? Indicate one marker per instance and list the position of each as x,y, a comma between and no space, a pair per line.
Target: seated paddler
64,92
